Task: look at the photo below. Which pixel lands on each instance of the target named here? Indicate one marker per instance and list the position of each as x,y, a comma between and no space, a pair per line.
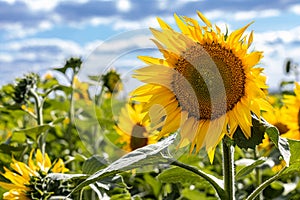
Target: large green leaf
179,175
281,143
257,135
148,155
258,129
93,164
35,131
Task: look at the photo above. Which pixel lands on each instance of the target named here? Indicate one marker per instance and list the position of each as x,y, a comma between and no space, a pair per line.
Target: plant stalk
71,114
228,168
262,186
211,179
40,120
258,175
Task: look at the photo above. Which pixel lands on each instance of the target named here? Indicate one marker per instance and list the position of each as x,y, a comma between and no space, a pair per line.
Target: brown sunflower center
138,139
282,128
210,82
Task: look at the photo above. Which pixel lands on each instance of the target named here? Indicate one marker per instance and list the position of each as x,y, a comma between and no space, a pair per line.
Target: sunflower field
202,125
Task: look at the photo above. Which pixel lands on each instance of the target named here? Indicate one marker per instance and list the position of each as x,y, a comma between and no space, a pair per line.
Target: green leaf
154,183
257,135
60,176
258,129
248,169
35,131
148,155
179,175
93,164
6,148
58,120
18,137
295,158
280,142
195,194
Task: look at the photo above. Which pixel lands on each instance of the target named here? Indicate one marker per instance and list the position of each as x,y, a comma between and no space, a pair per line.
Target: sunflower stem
228,167
258,175
40,120
211,179
262,186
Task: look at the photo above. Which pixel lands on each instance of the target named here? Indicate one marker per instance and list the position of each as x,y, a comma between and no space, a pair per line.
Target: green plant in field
30,181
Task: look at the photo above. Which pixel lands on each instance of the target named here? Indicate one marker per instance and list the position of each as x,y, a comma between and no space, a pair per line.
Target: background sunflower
292,113
133,130
28,181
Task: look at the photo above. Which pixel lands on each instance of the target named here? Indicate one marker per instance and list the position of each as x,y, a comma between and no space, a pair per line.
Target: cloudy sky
36,35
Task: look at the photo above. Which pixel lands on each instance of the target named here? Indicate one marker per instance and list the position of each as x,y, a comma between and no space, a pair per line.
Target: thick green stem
261,187
40,120
71,115
228,168
258,175
211,179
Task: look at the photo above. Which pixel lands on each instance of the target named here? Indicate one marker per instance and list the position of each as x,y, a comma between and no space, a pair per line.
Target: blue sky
36,35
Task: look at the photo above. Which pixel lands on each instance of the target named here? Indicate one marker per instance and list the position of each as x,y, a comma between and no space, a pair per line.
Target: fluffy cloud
23,18
35,55
30,17
277,47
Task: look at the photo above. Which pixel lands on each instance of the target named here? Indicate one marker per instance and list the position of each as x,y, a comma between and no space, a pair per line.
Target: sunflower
292,113
25,179
81,91
133,131
207,82
277,119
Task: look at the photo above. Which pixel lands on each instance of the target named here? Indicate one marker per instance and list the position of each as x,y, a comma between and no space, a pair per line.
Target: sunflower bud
112,81
23,86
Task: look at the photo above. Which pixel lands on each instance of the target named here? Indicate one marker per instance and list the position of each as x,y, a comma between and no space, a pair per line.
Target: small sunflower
207,82
25,180
277,119
134,132
292,113
81,91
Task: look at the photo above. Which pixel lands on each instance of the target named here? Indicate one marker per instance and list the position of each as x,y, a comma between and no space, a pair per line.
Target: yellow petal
163,24
235,36
204,19
181,25
9,186
59,167
151,60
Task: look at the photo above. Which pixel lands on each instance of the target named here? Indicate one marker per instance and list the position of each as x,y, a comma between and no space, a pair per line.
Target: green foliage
151,154
249,168
82,132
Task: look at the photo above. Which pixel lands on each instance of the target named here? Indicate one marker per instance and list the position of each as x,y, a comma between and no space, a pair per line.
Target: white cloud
253,14
286,36
39,50
277,47
123,5
6,57
41,5
295,9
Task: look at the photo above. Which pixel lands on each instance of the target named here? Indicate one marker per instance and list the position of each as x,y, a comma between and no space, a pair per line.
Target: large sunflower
207,82
134,132
26,179
292,113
